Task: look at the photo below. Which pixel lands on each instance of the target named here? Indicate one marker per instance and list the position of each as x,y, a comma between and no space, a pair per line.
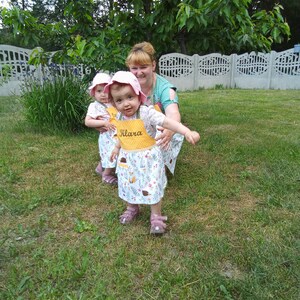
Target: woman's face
144,73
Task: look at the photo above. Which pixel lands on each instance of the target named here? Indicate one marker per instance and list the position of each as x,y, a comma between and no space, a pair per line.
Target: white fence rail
248,71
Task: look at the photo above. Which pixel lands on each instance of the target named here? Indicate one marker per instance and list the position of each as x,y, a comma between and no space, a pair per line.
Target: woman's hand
164,139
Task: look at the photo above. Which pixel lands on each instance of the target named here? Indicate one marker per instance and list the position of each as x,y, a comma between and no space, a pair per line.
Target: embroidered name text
127,133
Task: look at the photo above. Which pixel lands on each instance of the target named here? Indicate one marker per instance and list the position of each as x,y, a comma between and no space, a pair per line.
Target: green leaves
24,25
82,226
100,36
230,25
39,56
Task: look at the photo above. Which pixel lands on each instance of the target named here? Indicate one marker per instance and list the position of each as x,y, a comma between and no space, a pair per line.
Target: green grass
233,209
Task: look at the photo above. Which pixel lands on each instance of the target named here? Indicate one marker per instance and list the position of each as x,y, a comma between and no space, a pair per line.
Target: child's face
125,99
100,96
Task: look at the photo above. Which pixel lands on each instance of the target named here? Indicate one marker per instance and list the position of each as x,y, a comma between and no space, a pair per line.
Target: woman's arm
172,112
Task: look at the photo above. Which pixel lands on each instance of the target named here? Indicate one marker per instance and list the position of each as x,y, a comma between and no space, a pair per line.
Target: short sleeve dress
106,140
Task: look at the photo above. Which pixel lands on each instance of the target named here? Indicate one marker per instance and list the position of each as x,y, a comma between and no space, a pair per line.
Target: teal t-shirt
161,93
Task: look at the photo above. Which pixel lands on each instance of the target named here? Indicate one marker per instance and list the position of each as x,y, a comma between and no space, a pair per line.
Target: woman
161,93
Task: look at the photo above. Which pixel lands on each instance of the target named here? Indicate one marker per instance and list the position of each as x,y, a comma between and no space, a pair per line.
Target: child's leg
109,177
108,171
156,209
157,220
98,169
129,214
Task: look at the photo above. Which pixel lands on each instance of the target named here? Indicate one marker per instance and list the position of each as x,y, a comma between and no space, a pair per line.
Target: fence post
232,70
195,77
38,73
270,66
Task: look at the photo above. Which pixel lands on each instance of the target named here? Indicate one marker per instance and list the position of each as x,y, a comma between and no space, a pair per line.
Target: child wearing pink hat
98,116
140,164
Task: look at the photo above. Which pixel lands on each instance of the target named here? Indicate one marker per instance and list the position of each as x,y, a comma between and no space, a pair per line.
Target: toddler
98,116
140,165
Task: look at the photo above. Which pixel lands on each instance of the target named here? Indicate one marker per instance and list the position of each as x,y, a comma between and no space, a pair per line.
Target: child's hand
101,129
109,126
192,137
114,154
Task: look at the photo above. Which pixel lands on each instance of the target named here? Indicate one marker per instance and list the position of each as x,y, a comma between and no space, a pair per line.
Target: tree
227,26
290,13
22,4
99,33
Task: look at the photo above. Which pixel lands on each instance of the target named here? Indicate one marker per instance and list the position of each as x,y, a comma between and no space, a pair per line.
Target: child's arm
191,136
115,151
95,123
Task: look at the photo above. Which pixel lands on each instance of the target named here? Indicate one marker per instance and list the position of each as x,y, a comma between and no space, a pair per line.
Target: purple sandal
129,214
109,179
158,226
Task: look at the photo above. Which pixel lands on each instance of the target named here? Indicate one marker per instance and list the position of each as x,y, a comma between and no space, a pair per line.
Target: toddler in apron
98,116
140,163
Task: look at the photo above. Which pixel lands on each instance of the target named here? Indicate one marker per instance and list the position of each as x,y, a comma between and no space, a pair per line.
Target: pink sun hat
100,78
127,77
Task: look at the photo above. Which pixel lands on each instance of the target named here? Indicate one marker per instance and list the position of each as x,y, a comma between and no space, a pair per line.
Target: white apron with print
107,141
140,166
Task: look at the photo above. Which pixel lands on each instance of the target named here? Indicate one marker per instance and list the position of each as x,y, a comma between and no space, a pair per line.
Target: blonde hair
141,54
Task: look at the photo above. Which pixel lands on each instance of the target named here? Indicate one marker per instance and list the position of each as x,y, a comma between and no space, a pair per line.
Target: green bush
59,104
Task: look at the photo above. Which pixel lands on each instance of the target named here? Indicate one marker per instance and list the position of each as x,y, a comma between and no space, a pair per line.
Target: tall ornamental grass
58,104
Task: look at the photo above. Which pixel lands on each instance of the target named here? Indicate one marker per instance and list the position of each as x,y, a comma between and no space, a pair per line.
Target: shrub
58,104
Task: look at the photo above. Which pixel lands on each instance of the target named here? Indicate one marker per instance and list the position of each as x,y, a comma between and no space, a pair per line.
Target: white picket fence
247,71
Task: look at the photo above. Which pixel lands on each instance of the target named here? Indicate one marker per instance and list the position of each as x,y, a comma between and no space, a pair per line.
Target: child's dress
169,155
107,140
140,166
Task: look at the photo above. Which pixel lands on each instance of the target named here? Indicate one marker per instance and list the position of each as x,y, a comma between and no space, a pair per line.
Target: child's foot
109,179
158,226
129,214
98,169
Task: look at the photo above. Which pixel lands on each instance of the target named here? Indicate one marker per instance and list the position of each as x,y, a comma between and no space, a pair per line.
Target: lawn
232,207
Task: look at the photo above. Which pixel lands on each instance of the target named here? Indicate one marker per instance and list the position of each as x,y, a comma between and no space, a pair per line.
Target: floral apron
107,141
140,166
